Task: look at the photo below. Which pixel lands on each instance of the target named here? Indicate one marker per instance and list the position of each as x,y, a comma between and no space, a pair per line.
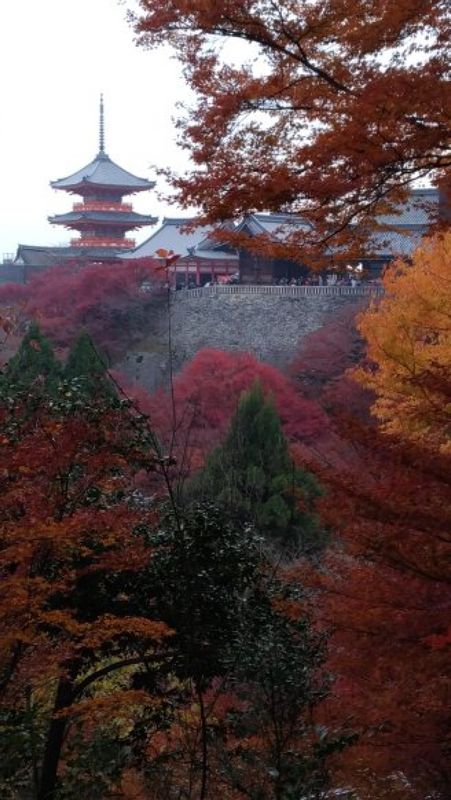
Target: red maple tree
66,473
194,418
386,591
111,302
326,109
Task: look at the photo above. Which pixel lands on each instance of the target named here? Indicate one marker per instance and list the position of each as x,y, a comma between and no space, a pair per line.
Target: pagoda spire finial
101,128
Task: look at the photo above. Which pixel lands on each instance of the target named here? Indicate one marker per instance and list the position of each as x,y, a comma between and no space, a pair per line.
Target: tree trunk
54,743
204,775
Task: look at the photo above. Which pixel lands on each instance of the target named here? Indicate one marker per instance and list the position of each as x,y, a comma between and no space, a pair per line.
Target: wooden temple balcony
103,241
101,205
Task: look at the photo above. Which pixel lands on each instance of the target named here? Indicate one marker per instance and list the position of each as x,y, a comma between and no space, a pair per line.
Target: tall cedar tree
328,109
194,419
86,365
253,477
34,362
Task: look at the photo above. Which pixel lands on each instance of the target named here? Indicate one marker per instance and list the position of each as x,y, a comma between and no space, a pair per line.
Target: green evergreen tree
88,368
34,362
252,476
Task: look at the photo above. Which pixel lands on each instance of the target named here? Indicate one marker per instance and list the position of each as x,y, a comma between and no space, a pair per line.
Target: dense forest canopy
237,589
238,586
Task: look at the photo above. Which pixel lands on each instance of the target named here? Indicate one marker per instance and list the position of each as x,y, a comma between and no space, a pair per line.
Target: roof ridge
284,214
177,220
428,189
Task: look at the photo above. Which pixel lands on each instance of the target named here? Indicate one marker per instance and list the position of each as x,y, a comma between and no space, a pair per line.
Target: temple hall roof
396,243
398,235
173,235
420,208
33,256
276,226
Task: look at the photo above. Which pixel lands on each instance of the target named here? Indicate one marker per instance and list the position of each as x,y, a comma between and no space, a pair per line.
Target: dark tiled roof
419,209
131,218
197,242
33,256
399,234
37,256
179,221
396,243
407,229
277,226
211,243
102,171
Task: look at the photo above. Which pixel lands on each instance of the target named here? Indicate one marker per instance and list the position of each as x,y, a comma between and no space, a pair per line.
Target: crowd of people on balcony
322,280
352,275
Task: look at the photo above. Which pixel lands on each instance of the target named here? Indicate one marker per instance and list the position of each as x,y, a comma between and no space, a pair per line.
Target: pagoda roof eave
103,173
105,217
121,189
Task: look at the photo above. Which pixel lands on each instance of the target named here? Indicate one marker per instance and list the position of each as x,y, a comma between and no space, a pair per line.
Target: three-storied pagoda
102,218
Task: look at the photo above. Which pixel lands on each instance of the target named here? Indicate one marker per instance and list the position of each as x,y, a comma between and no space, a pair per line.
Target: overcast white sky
56,56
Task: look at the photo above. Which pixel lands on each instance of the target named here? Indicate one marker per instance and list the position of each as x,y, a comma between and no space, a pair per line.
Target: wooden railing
104,241
101,205
282,291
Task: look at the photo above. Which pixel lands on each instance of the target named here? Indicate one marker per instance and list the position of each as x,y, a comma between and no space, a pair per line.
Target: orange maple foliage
66,479
408,334
325,108
385,586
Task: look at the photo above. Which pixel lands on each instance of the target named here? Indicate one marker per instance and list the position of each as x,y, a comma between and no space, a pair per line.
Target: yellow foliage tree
408,333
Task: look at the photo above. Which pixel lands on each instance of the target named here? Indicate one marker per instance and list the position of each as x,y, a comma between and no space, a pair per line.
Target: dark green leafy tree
236,643
175,605
21,738
253,477
278,752
202,569
93,765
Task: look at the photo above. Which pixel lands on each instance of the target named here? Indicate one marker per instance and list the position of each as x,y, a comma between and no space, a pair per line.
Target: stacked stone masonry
268,322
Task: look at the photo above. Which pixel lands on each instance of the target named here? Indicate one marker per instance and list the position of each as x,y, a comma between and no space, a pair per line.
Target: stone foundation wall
266,321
